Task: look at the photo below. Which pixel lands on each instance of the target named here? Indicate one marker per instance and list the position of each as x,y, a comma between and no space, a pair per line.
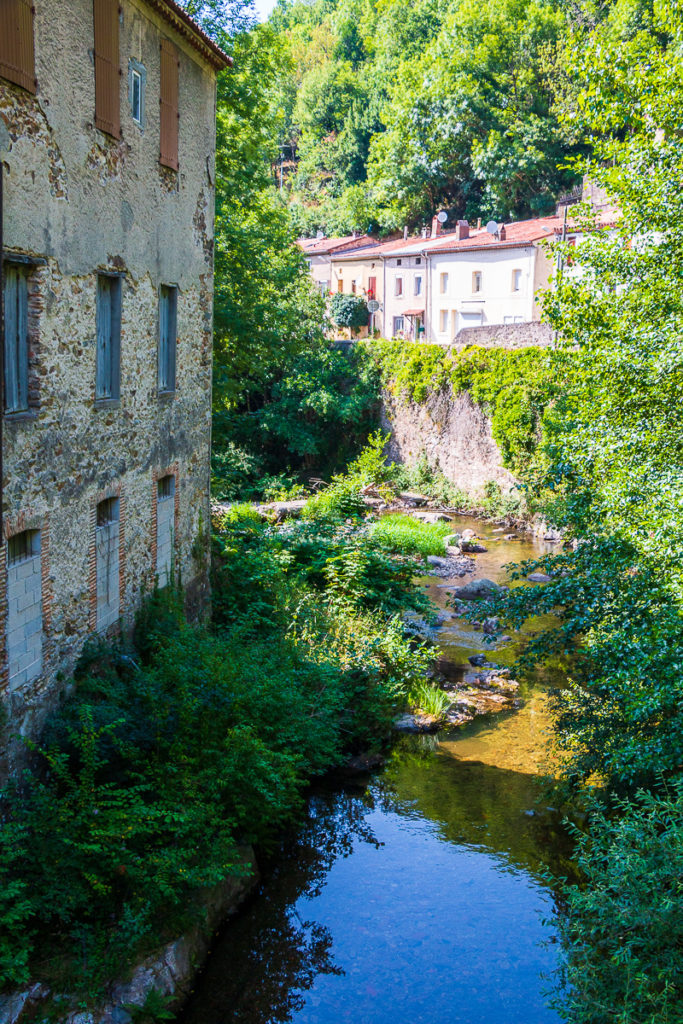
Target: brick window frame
37,273
157,475
113,491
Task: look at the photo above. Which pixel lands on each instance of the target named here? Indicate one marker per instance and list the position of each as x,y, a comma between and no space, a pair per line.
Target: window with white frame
443,283
476,281
398,324
516,280
399,286
443,321
418,284
137,80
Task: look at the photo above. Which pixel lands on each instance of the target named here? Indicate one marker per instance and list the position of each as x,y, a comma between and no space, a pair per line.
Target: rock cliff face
454,436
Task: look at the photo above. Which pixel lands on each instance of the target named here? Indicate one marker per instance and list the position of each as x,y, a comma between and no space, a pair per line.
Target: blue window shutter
163,336
11,326
16,339
116,337
22,340
168,311
172,329
103,371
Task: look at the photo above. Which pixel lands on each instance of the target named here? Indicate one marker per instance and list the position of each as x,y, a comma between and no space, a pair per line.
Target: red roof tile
324,246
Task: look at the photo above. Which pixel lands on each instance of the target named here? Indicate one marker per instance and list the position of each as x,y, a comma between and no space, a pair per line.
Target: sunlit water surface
418,895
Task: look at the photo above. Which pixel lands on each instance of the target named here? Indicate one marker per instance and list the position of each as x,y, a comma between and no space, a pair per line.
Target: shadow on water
416,897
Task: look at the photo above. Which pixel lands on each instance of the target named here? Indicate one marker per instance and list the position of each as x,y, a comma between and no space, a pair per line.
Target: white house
319,253
480,278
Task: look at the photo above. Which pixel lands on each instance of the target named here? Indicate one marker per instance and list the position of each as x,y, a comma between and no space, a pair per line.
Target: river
418,894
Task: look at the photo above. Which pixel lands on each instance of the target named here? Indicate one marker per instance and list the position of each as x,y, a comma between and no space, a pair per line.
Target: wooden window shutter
17,60
107,73
168,101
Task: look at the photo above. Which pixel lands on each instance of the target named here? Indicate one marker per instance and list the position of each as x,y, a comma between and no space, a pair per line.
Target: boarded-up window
107,75
17,63
165,529
168,101
107,562
108,362
24,636
168,308
16,339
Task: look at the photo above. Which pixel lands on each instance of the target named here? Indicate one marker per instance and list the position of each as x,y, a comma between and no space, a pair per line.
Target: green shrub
349,310
429,699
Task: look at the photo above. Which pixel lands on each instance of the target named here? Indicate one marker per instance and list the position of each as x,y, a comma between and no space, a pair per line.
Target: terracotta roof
324,246
522,232
181,21
413,312
394,245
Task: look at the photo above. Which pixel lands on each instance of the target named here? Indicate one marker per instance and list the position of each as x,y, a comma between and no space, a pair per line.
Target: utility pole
560,266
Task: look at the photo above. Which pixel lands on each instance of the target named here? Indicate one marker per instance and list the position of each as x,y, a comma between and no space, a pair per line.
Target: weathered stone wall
81,201
454,436
505,335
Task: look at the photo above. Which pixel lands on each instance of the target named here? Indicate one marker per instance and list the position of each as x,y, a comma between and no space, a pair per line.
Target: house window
353,287
443,321
17,61
516,280
106,40
24,608
165,529
399,286
399,263
372,287
323,287
476,281
137,81
418,261
168,316
418,285
168,105
340,285
107,562
16,338
108,371
398,324
443,283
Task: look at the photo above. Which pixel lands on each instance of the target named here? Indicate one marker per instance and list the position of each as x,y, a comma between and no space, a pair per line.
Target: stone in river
476,589
477,660
539,577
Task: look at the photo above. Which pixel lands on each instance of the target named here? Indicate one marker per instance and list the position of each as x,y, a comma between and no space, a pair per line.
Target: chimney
424,232
478,223
354,234
462,229
501,233
405,232
437,227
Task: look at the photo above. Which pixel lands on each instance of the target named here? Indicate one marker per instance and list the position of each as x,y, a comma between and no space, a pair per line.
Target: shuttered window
107,73
108,372
17,61
16,339
168,308
168,101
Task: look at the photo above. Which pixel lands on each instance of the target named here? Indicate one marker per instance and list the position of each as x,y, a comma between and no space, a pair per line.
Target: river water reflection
417,896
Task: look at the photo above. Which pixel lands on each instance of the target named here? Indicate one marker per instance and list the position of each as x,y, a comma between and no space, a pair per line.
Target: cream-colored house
320,252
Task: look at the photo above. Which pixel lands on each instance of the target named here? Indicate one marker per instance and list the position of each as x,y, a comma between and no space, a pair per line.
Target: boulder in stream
477,589
539,577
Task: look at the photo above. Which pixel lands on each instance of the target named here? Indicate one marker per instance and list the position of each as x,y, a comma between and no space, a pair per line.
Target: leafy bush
349,310
623,925
405,535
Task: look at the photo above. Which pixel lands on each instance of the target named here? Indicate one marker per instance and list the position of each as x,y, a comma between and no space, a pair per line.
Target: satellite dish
320,234
442,217
492,227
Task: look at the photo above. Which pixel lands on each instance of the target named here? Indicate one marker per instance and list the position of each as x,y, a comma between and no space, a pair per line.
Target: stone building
107,145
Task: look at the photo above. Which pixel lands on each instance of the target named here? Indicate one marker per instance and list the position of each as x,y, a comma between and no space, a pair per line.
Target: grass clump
429,699
405,535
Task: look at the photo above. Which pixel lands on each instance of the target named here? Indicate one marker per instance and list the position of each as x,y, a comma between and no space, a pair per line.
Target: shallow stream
417,895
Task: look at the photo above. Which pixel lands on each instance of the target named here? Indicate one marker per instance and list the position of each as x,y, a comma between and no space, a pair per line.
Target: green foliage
514,387
390,111
405,535
428,698
349,310
624,928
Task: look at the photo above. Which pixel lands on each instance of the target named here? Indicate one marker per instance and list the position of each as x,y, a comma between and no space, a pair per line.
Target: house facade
321,253
107,114
483,279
